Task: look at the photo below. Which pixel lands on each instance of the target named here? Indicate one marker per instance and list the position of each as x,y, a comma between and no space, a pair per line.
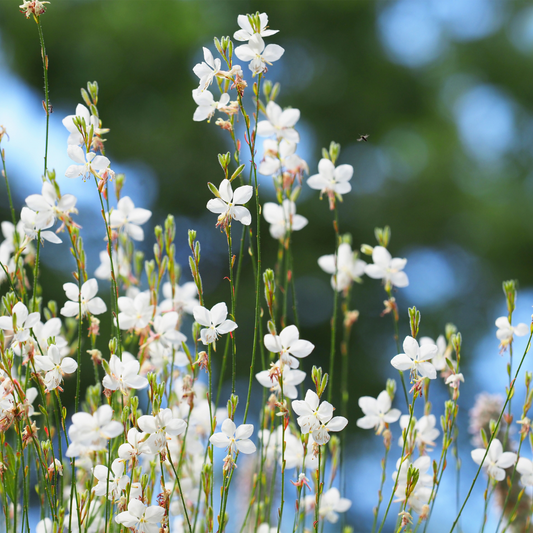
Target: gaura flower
283,218
279,122
377,412
495,461
207,105
128,218
234,438
54,366
349,267
386,268
90,303
229,205
246,32
416,359
207,70
214,322
258,55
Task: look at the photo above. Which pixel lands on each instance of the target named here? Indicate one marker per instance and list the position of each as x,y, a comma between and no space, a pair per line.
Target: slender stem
511,390
380,492
283,462
253,170
232,294
179,489
335,305
13,216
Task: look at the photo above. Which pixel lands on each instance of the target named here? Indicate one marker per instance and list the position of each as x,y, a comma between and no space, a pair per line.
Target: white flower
124,375
135,446
439,359
330,179
331,504
90,303
283,218
161,428
525,469
207,105
289,346
422,491
135,312
129,218
291,378
48,206
424,430
377,412
234,438
454,380
165,331
349,268
33,223
45,526
54,366
416,359
121,265
207,70
246,32
91,432
257,54
20,322
279,123
229,205
496,459
88,163
141,518
506,332
118,481
386,268
82,112
214,321
182,299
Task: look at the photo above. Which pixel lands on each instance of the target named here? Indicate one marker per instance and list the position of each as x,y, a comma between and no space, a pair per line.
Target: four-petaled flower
234,438
506,332
141,518
279,122
128,218
161,427
331,180
214,321
48,206
257,54
54,366
283,218
123,375
88,163
289,346
416,359
377,412
20,322
386,268
246,32
207,70
495,461
349,267
207,105
90,303
230,205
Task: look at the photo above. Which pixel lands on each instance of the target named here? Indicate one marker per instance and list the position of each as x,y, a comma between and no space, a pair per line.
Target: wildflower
386,268
33,224
165,331
135,445
55,367
247,31
334,181
20,322
230,205
140,517
349,268
283,218
117,480
495,461
35,8
234,438
91,432
424,430
46,525
135,312
506,332
439,359
289,346
331,504
257,54
377,412
48,206
207,70
128,218
279,123
525,469
123,375
214,321
290,379
416,359
75,137
90,303
454,380
421,493
161,428
121,265
88,163
181,299
207,105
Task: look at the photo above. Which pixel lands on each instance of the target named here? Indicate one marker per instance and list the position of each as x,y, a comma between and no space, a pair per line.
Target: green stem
511,390
335,305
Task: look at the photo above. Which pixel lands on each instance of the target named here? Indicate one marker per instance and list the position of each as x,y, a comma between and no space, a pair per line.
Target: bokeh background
442,87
